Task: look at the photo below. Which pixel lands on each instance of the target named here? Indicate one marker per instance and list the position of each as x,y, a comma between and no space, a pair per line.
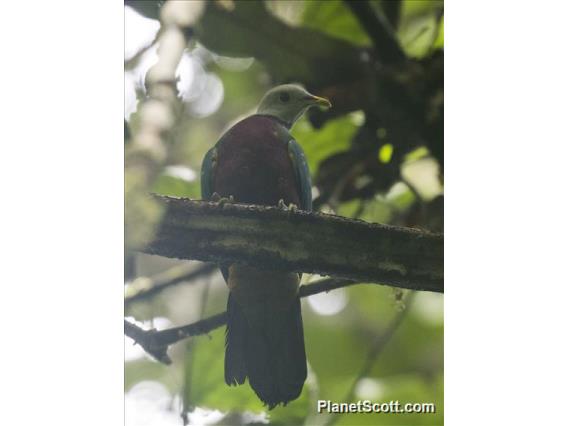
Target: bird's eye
284,97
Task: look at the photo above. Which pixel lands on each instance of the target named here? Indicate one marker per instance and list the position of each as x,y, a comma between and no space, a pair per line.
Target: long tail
268,350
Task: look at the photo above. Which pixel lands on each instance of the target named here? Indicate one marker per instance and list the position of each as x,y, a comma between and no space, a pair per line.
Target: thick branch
379,30
299,241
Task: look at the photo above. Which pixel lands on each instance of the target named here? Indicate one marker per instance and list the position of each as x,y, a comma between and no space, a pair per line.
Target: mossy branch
274,238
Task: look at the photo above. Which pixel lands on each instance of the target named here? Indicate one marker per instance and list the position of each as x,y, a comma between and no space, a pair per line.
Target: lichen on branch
300,241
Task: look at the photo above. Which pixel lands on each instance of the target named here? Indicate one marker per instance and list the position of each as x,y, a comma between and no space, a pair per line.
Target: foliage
379,109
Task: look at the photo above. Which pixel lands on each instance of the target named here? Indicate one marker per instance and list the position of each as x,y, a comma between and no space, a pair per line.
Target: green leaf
405,389
176,187
145,369
247,29
334,18
419,29
334,137
439,42
293,413
205,383
385,153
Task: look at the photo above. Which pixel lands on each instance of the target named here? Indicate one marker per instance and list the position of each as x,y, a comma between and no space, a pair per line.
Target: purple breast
253,164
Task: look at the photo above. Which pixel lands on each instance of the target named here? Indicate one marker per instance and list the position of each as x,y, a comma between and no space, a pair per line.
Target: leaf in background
334,18
247,29
405,368
318,145
330,344
418,30
377,211
177,181
145,369
207,387
294,413
417,345
439,42
403,389
412,9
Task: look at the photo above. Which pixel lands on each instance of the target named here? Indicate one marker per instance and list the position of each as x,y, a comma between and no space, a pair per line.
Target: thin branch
189,364
324,285
374,352
299,241
392,10
178,274
386,45
156,342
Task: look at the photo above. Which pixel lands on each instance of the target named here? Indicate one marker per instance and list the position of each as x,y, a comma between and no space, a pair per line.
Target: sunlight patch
328,303
141,32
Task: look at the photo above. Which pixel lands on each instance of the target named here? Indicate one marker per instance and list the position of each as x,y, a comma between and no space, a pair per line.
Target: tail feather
269,351
235,344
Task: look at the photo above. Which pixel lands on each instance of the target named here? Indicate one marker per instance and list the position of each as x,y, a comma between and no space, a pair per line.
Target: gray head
288,102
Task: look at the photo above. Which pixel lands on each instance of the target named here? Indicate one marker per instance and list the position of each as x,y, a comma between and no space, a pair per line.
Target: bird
257,161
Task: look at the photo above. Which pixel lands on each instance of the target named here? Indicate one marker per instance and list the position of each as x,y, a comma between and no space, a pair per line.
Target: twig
386,45
374,353
156,342
166,279
392,10
189,364
324,285
300,241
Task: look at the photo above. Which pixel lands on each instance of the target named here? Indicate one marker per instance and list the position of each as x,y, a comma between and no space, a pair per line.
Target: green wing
302,172
207,171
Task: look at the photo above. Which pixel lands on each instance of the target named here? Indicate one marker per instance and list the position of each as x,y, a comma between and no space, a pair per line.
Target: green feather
302,172
207,171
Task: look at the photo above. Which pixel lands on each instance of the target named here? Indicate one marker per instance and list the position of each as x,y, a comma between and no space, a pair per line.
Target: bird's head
288,102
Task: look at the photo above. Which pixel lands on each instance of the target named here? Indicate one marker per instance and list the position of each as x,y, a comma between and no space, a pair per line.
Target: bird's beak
316,100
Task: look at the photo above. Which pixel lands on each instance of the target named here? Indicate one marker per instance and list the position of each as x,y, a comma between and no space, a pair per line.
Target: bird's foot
221,201
290,207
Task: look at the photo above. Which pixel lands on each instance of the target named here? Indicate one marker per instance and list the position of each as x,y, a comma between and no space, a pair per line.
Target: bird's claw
290,207
221,201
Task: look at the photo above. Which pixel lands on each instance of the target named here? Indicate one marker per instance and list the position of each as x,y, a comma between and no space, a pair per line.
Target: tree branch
379,30
299,241
374,352
156,342
392,11
166,279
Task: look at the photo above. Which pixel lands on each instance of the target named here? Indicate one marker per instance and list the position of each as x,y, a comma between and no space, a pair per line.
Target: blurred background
377,156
